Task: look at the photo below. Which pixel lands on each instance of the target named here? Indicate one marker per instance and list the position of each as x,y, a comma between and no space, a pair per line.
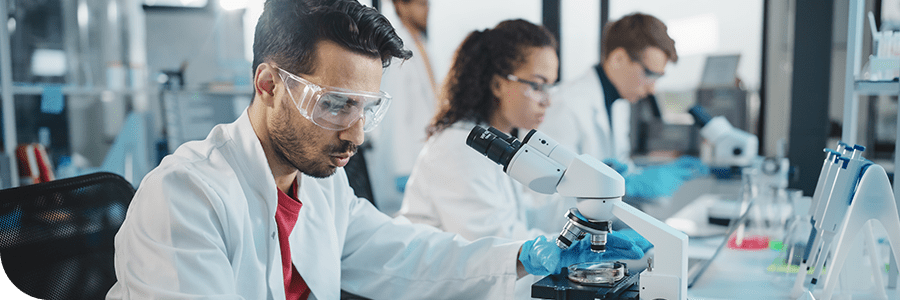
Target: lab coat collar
260,184
318,264
610,93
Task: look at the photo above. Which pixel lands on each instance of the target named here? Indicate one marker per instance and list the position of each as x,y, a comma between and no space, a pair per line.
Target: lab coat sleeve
468,194
386,258
171,244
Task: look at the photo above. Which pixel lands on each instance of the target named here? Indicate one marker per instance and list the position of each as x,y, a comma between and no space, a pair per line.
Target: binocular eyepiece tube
493,143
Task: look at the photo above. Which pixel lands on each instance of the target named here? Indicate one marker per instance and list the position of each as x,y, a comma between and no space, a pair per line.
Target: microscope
732,147
542,165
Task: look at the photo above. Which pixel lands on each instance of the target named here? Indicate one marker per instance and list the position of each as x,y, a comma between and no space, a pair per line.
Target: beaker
750,233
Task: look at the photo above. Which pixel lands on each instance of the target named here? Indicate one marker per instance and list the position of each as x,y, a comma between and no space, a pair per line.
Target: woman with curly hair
500,77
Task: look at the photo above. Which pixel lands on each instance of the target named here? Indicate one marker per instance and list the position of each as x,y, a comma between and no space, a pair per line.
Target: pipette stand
873,201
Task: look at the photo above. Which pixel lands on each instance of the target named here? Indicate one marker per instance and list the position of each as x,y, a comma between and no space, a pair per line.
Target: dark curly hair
288,31
499,51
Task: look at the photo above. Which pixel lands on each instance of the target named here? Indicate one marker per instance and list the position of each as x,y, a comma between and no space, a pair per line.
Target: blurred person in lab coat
500,77
262,209
401,135
592,114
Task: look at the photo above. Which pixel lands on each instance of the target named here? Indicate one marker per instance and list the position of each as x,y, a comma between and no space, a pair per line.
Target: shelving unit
854,87
125,19
6,93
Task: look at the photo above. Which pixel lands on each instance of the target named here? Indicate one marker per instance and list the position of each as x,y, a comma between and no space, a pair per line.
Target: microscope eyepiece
493,143
701,117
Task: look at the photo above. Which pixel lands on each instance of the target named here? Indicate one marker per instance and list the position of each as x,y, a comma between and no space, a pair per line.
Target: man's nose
354,133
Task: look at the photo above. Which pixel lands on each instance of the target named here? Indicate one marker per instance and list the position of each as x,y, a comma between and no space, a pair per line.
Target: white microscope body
731,146
541,164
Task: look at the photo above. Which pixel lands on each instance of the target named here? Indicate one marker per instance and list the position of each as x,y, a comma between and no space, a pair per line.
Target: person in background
400,137
591,114
262,209
501,78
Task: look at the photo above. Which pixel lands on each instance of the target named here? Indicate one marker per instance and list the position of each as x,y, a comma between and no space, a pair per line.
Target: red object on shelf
752,242
34,164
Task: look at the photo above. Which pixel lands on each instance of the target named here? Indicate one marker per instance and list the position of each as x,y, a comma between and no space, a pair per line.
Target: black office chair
358,174
56,238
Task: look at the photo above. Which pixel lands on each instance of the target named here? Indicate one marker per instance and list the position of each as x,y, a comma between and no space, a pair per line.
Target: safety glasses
540,92
649,74
335,108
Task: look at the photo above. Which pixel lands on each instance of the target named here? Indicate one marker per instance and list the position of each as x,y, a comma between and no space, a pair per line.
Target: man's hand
542,257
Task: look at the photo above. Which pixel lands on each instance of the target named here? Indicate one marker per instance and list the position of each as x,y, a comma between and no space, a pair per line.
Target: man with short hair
262,209
592,114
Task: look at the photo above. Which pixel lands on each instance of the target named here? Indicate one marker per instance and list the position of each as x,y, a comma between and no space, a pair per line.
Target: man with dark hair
262,209
592,114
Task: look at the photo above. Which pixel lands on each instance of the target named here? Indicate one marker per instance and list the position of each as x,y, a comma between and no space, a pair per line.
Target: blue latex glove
401,183
542,257
664,180
653,182
617,165
638,239
693,164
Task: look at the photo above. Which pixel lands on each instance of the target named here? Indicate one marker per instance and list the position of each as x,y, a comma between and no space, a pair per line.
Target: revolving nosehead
598,242
570,234
576,228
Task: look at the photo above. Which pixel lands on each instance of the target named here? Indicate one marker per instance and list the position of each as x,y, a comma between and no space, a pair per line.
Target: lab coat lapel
260,186
598,104
319,263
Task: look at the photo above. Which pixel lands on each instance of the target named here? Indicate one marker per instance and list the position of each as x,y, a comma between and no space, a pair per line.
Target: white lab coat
458,190
396,142
578,119
202,226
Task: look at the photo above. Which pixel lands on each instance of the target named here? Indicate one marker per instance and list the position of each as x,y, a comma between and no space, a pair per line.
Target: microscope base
561,288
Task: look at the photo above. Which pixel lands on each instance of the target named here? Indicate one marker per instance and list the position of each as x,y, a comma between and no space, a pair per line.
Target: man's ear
618,58
264,82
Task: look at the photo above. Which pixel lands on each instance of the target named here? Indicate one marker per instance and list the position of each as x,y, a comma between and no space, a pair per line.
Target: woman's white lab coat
578,119
401,135
202,226
457,189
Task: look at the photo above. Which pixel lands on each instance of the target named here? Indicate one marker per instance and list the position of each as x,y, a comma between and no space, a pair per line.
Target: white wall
580,50
450,21
700,27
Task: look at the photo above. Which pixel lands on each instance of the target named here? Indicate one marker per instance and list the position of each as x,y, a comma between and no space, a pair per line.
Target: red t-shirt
286,217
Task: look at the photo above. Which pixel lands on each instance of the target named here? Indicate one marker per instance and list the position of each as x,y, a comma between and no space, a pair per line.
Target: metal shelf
71,90
874,88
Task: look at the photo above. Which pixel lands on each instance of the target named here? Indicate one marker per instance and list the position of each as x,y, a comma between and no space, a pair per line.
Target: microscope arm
666,276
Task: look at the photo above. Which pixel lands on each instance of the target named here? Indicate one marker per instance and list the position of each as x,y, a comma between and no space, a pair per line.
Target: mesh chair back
56,238
358,175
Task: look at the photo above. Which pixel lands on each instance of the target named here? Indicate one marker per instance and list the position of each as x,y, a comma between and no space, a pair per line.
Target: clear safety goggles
335,108
539,92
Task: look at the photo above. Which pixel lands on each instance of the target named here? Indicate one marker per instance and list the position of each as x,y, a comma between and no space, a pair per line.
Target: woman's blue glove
542,257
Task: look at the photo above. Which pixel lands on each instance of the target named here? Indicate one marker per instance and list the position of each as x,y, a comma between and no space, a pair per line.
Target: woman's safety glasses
539,92
335,108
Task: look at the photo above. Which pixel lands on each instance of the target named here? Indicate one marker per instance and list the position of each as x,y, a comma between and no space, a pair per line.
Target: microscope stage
560,287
